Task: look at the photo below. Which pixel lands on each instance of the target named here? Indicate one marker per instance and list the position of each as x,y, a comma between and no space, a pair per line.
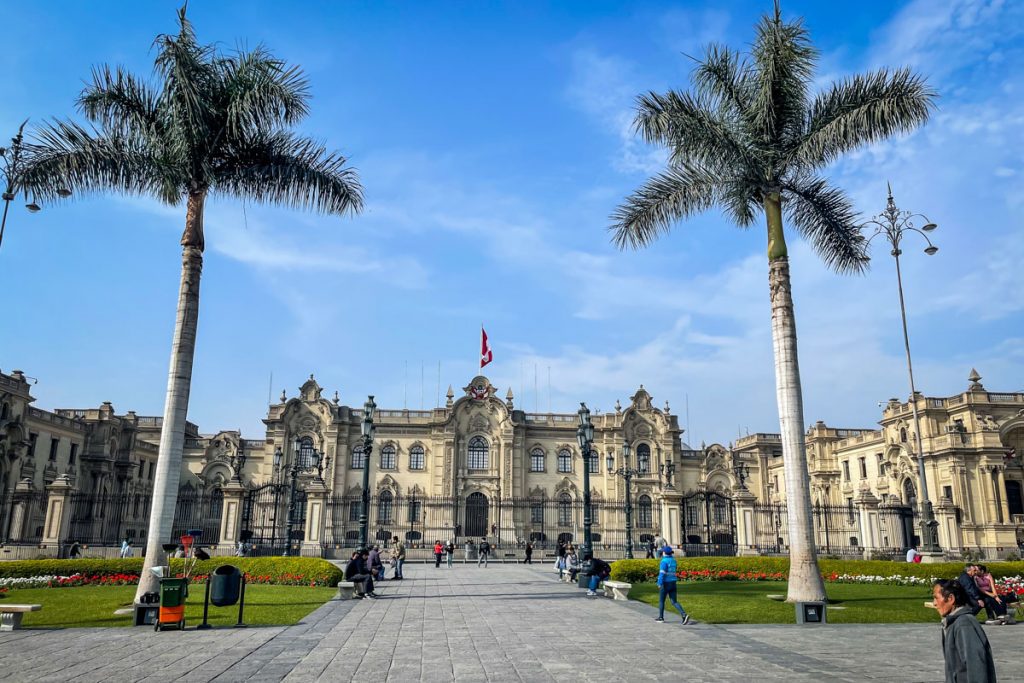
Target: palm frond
282,168
692,130
116,99
861,110
66,155
262,92
783,64
724,74
677,192
825,217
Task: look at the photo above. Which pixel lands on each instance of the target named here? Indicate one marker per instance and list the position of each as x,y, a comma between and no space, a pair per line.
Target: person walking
356,571
438,551
449,550
126,549
965,647
398,553
529,553
484,552
599,571
667,580
995,606
650,549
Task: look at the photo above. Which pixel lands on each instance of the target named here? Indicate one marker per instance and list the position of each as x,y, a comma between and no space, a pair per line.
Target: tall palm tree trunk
179,381
805,582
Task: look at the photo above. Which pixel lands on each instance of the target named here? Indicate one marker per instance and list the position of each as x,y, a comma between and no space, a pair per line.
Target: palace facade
480,465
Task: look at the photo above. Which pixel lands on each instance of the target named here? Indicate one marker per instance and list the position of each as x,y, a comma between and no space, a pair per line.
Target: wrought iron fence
708,521
23,515
837,530
107,519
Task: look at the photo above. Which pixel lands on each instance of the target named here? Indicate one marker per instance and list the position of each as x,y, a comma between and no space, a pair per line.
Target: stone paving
502,623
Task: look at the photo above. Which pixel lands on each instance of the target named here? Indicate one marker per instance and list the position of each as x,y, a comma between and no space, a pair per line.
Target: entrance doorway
476,515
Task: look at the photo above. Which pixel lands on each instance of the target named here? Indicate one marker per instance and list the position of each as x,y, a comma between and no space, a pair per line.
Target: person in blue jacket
667,583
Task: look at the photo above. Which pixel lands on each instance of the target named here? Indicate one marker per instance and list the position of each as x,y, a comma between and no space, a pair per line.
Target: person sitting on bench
357,572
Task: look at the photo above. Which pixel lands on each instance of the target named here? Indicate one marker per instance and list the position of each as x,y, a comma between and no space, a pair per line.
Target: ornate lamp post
301,462
237,462
667,470
627,472
585,436
368,429
741,471
893,224
11,160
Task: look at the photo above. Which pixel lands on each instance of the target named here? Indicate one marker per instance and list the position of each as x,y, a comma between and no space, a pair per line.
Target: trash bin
173,593
225,585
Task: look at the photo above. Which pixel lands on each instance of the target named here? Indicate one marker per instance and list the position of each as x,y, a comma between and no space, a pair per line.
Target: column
949,530
21,494
58,511
316,498
870,533
231,515
745,501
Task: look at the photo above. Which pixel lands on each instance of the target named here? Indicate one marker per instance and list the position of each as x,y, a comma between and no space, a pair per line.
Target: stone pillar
949,530
58,511
231,515
744,501
22,493
870,533
316,507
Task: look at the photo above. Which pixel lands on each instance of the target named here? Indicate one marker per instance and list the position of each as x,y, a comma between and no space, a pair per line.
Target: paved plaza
502,623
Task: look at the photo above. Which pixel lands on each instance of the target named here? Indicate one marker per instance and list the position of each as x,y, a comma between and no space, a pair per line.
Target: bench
10,615
346,590
617,590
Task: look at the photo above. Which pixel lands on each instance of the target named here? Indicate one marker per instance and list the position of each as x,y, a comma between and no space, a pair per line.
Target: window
54,444
564,509
384,507
719,511
306,452
947,491
415,510
478,453
152,469
595,462
775,480
142,469
32,438
388,459
353,511
5,412
537,513
564,460
646,516
849,509
846,470
692,515
74,455
863,468
643,458
903,434
537,460
358,458
416,458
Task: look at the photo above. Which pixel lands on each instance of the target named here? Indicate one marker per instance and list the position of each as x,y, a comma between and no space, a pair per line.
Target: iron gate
708,521
265,519
476,515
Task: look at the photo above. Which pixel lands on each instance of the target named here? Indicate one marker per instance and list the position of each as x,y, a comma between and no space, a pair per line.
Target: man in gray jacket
964,645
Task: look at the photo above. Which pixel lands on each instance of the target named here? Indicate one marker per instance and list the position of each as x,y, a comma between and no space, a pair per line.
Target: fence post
316,495
231,515
949,530
58,512
744,501
870,534
22,495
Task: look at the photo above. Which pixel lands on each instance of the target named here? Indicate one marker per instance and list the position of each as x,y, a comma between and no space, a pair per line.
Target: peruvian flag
485,349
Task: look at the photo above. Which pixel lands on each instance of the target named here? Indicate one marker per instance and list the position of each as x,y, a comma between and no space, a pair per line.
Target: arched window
909,493
478,453
646,516
537,460
358,458
5,410
564,509
595,461
384,507
564,460
416,458
643,458
305,455
903,434
388,459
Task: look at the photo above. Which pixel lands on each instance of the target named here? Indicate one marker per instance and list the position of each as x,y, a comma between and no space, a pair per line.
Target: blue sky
493,141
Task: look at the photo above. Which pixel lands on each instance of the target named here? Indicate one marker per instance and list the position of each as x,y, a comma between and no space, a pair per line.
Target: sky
493,141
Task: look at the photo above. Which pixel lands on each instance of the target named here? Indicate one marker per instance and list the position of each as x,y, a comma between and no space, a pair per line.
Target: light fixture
63,192
33,207
928,227
931,250
610,461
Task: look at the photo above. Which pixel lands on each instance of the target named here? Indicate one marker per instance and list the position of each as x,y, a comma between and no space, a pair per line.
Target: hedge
276,570
638,571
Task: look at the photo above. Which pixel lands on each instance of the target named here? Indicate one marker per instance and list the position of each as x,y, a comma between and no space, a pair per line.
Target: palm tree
752,138
213,124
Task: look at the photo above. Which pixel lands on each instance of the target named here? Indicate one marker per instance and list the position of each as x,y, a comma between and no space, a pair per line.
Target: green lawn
95,605
736,602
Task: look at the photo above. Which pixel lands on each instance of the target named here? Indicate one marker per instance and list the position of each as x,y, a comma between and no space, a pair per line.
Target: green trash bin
173,593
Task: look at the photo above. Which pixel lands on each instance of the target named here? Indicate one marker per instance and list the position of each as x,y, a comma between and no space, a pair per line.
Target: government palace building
481,466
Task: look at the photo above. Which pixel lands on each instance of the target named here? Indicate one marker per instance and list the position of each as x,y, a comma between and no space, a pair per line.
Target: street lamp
894,224
237,462
368,429
742,472
627,472
667,470
301,462
585,436
11,160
